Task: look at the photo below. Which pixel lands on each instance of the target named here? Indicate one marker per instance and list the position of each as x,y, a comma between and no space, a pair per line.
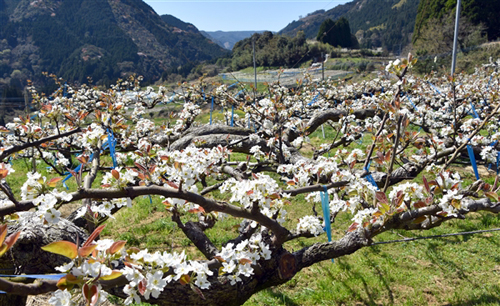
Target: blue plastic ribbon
313,100
412,104
325,205
473,160
498,161
474,113
232,85
36,276
369,177
232,115
437,90
112,147
76,170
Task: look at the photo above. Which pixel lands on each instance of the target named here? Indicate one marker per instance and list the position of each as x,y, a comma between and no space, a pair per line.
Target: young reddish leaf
378,213
274,196
85,251
68,281
141,167
353,227
3,173
220,259
429,200
91,294
426,184
94,235
249,192
198,291
83,159
142,286
185,279
381,197
53,182
244,261
114,274
173,185
116,247
197,210
291,183
64,248
12,239
419,204
115,174
495,185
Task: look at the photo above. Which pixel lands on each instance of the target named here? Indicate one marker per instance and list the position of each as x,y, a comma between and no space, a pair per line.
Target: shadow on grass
358,276
441,261
484,299
279,296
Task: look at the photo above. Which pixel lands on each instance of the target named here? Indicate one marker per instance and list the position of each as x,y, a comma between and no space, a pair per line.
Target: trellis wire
436,236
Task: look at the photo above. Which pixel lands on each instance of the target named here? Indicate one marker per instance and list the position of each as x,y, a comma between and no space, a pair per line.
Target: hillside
103,39
227,39
388,24
483,13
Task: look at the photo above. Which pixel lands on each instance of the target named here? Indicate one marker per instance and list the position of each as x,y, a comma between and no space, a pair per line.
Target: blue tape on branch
474,113
498,161
473,160
232,85
211,110
43,276
39,276
369,177
76,170
325,205
232,115
437,90
313,100
112,147
412,104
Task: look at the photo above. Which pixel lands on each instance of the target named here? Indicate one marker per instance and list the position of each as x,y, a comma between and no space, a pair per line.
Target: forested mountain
376,23
227,39
103,39
481,14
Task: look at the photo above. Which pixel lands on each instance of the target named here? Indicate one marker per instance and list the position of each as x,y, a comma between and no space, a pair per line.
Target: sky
224,15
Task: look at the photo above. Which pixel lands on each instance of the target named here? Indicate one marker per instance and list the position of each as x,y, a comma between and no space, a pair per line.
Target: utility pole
322,68
455,40
254,70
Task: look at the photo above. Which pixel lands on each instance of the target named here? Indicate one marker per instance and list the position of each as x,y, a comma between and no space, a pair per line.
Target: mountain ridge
375,23
103,39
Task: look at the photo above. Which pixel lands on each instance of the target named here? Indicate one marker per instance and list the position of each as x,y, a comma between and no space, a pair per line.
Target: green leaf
114,274
492,195
64,248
